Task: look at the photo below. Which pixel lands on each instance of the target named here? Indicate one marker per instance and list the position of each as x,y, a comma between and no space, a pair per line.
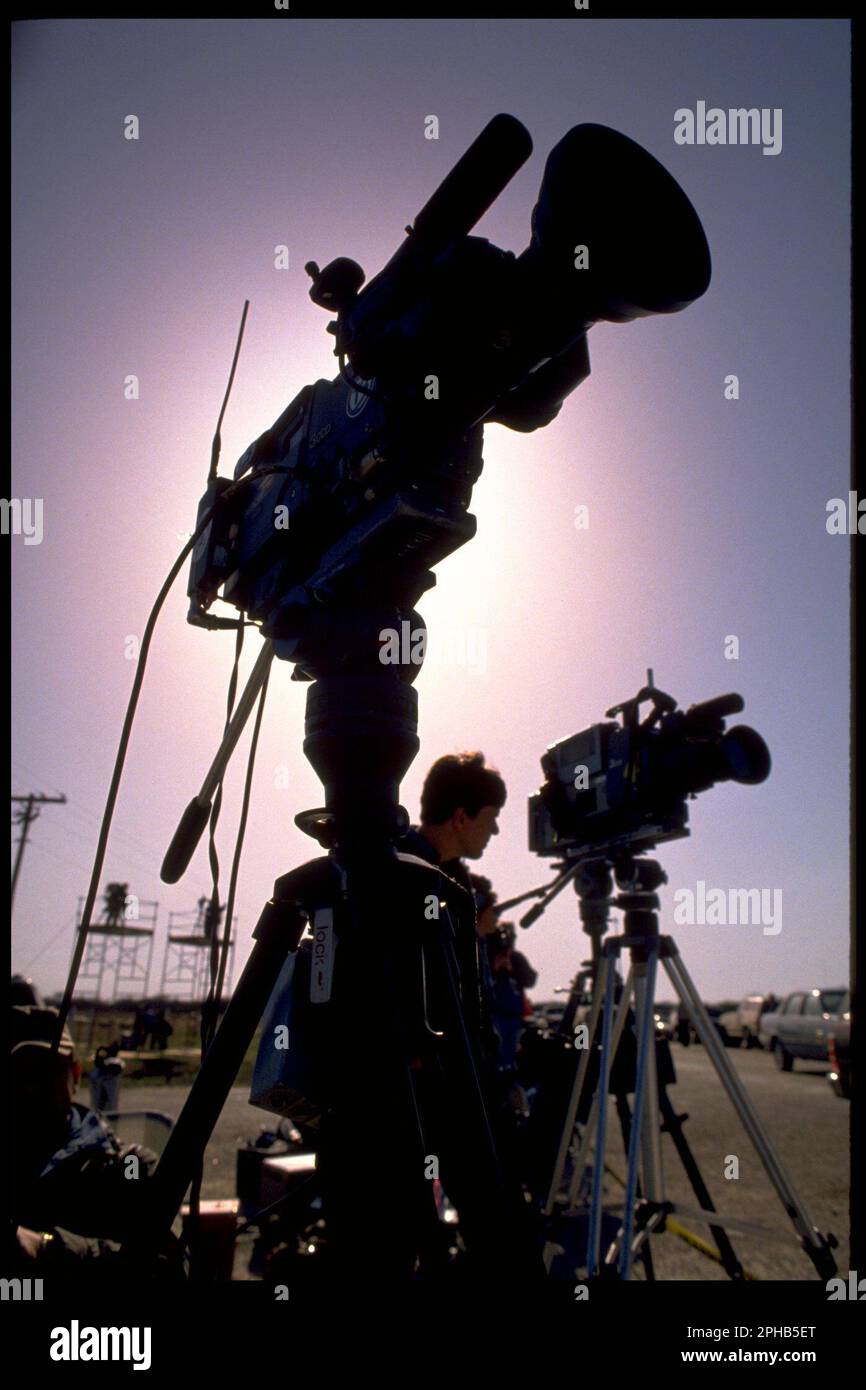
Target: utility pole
25,818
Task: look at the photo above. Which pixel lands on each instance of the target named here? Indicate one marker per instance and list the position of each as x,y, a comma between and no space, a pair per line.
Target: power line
80,808
56,854
83,833
69,923
53,853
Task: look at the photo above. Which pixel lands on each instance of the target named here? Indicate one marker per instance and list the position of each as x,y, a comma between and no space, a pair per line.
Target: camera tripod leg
574,1100
645,1250
813,1242
644,1131
605,1062
359,1164
277,932
674,1127
651,1149
551,1247
581,1154
672,1124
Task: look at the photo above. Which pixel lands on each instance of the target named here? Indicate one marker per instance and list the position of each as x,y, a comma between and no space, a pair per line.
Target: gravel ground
808,1126
806,1122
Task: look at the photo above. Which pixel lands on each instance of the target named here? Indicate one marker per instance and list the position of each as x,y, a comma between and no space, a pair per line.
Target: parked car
717,1013
802,1026
741,1024
666,1016
685,1028
839,1051
549,1012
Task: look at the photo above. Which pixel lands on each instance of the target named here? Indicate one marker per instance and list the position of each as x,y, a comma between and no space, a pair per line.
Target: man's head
24,991
460,801
43,1080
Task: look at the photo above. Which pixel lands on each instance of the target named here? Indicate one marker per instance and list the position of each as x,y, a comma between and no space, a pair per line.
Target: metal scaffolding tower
119,947
186,963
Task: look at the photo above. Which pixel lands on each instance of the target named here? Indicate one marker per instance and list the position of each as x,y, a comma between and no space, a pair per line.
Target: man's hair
459,779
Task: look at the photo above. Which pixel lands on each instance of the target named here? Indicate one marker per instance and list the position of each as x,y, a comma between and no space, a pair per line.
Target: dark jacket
86,1197
474,967
416,842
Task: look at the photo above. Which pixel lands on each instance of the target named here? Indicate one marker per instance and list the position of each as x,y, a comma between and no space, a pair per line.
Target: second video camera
618,786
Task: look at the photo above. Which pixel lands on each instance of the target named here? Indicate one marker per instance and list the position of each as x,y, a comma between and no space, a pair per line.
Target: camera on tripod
624,786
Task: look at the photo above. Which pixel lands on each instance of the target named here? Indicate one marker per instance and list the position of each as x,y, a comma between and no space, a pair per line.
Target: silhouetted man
460,801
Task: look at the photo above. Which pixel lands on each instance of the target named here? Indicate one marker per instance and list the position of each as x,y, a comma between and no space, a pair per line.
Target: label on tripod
322,969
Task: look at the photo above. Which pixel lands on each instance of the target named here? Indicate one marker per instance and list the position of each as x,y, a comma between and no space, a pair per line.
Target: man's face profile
474,832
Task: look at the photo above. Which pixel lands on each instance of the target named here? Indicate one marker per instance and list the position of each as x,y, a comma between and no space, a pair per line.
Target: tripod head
593,880
360,737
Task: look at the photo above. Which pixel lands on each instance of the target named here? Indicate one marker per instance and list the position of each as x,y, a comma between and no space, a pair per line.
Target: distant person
508,999
505,1008
104,1079
24,991
148,1021
211,915
499,947
485,905
525,976
512,976
161,1030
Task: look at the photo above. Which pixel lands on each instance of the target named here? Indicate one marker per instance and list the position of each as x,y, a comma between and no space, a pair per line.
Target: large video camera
616,787
364,482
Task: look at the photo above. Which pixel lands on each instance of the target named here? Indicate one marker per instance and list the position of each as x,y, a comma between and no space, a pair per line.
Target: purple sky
706,516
